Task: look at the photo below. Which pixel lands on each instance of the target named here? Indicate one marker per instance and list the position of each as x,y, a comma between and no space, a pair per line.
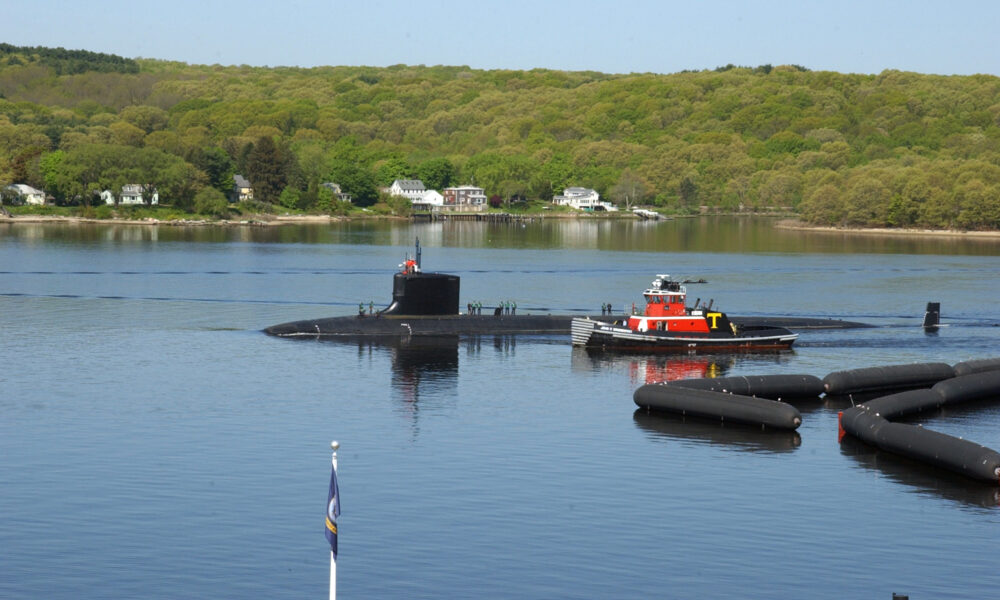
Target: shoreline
278,220
254,221
261,221
886,231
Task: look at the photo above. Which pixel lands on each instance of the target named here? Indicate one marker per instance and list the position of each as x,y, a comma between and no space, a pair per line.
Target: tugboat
668,324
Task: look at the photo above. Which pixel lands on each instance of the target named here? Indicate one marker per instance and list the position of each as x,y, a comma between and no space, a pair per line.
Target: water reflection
699,234
671,427
657,368
923,478
652,368
425,366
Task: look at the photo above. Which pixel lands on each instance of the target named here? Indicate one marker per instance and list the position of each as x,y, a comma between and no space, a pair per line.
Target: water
156,444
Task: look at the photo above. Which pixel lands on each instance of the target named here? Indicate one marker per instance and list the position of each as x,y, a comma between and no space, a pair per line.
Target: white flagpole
334,445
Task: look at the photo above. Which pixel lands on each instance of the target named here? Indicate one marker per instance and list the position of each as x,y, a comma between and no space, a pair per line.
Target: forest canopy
895,149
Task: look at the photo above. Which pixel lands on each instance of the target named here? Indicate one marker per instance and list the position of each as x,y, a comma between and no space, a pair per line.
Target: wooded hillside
894,149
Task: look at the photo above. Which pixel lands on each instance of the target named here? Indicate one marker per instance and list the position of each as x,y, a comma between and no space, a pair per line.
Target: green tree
25,166
210,201
392,169
289,197
825,206
265,170
400,206
631,189
688,191
217,166
436,173
867,202
146,118
356,181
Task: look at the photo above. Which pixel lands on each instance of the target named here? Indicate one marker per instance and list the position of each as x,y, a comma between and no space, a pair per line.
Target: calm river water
156,444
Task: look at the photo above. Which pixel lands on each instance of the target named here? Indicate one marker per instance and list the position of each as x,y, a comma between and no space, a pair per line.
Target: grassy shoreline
270,220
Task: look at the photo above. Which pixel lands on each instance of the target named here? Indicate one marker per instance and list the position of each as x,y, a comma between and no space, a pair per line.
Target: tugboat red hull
596,334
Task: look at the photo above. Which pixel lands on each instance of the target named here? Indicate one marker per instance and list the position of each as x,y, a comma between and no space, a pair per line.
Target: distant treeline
68,62
894,149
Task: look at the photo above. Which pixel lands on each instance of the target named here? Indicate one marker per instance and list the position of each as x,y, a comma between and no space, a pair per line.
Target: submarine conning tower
415,293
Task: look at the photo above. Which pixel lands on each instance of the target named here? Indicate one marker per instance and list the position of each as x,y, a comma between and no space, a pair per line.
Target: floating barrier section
894,377
775,387
977,366
718,405
870,423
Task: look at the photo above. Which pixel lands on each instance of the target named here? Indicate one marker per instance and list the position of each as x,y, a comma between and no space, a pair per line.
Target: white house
131,194
429,201
583,199
408,188
26,193
465,198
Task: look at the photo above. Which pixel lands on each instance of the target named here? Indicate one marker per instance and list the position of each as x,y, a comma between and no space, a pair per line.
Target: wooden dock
486,217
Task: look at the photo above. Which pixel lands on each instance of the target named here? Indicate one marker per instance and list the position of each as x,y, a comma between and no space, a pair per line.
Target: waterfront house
241,189
22,193
337,192
429,201
582,198
465,198
131,194
408,188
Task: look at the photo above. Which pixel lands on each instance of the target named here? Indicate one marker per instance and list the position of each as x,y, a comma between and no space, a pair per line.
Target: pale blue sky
850,36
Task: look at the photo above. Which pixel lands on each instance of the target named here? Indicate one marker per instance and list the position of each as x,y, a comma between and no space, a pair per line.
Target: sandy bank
884,231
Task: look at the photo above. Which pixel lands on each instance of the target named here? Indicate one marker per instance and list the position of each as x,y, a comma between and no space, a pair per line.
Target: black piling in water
870,423
774,387
717,405
887,379
932,316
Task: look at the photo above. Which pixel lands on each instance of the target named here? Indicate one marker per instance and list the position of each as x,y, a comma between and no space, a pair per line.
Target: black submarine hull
426,325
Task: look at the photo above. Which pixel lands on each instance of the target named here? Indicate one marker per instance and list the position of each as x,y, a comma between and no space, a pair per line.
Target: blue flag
332,512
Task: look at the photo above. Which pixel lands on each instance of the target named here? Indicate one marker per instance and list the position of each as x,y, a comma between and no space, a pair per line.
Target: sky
623,36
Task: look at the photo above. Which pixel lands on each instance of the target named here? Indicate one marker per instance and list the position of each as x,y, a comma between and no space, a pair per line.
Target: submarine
427,304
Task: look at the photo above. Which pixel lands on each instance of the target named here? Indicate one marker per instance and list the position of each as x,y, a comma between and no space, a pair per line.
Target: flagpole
334,445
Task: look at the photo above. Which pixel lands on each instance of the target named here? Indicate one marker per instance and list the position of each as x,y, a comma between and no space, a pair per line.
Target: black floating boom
887,379
870,423
775,387
717,405
977,366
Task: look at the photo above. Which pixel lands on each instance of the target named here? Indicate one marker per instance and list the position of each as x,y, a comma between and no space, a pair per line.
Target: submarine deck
400,325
